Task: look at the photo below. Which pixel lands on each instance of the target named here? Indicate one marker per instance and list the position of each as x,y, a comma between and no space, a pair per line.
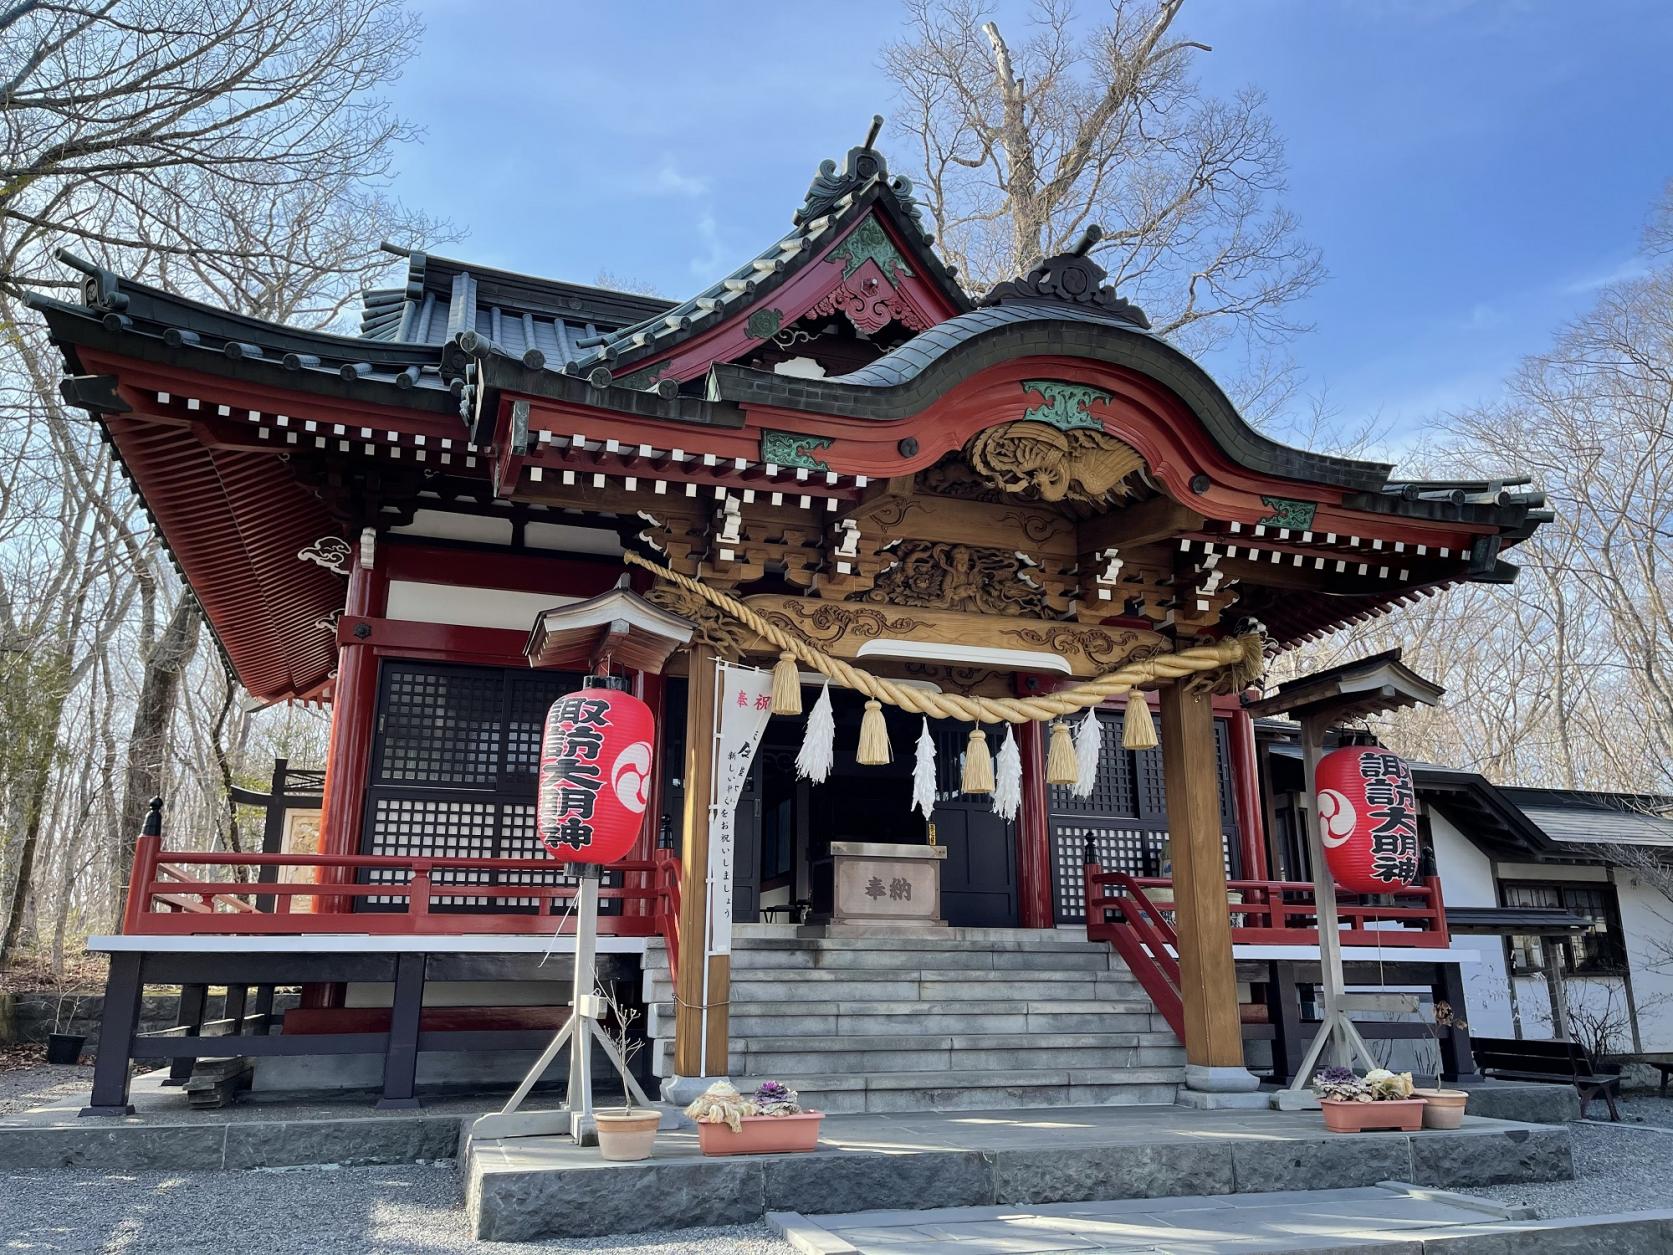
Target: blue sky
1472,169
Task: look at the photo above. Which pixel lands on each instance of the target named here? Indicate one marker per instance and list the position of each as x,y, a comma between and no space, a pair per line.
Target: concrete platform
165,1133
545,1187
1393,1218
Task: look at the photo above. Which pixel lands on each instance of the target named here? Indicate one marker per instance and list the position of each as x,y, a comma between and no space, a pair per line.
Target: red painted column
649,689
1034,904
348,760
1246,793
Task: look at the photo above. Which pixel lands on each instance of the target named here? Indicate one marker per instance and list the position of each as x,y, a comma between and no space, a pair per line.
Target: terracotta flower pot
762,1135
1402,1114
627,1133
1442,1108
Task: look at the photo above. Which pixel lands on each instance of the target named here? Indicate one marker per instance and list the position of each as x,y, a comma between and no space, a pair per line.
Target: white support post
576,1116
1335,1027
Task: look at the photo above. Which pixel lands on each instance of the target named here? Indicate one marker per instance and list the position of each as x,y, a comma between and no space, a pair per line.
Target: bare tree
1023,145
230,149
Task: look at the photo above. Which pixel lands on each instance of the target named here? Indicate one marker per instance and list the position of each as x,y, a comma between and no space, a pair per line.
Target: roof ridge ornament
1072,277
863,164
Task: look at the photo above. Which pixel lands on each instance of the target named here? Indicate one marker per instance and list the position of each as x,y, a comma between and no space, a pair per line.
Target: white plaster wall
469,607
1467,880
1647,921
1466,873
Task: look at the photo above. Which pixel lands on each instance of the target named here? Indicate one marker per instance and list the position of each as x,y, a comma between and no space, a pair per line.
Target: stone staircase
934,1020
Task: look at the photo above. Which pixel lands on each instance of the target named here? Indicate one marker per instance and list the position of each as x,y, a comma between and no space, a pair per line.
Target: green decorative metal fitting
1066,404
789,448
643,379
1295,515
869,242
763,324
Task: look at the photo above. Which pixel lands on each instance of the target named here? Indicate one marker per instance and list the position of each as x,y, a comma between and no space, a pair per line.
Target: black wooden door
979,874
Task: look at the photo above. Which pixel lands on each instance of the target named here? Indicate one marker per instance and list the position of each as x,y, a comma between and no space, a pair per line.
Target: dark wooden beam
1160,518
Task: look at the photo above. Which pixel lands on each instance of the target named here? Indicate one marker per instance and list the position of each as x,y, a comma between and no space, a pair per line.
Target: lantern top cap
1368,686
618,623
616,682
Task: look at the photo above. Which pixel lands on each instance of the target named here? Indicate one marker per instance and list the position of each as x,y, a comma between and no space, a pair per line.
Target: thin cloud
706,265
671,181
1634,267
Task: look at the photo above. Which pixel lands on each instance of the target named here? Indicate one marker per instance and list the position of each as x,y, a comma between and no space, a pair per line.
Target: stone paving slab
546,1187
166,1133
1392,1219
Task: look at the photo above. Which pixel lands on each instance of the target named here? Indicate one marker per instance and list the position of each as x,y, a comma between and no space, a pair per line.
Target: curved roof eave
902,382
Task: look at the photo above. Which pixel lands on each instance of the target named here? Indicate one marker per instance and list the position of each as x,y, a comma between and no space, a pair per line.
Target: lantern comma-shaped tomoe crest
595,774
1367,812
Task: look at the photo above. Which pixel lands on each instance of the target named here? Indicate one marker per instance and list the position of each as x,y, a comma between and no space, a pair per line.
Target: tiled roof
563,322
1606,818
834,202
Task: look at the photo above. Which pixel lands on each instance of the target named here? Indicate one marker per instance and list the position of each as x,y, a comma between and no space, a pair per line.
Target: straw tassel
787,685
874,736
1007,778
1089,746
978,764
818,741
1138,730
923,773
1061,766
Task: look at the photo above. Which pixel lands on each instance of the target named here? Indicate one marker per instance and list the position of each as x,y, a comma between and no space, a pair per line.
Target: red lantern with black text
1367,813
595,773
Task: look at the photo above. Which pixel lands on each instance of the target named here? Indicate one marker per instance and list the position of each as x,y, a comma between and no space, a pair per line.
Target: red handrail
1283,912
165,898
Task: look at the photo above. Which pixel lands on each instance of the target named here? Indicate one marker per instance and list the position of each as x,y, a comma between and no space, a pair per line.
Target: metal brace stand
575,1117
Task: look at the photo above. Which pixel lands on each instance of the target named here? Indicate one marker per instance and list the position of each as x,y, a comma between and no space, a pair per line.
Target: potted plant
1378,1100
769,1121
63,1046
626,1132
1442,1108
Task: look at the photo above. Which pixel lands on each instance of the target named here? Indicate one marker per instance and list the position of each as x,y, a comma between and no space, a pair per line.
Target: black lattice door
979,874
1125,819
454,768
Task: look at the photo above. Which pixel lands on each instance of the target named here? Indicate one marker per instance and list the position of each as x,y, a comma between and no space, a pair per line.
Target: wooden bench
1553,1062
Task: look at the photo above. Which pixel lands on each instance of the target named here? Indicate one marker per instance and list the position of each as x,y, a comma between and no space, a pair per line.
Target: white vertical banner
744,697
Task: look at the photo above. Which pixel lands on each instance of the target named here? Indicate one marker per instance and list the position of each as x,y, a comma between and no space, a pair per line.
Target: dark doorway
979,877
874,803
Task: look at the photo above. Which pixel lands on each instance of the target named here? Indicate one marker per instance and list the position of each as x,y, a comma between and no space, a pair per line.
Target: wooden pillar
1034,897
691,1033
1208,976
354,696
348,753
1246,794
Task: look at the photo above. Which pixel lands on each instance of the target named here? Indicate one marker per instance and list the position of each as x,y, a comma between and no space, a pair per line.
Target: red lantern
595,773
1367,813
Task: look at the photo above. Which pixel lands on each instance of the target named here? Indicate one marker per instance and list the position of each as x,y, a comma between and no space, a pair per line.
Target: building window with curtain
1601,950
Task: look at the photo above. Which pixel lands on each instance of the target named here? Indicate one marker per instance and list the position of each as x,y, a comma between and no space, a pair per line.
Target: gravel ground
1624,1167
37,1085
409,1210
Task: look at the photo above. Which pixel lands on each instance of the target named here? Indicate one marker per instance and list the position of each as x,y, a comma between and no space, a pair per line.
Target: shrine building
942,517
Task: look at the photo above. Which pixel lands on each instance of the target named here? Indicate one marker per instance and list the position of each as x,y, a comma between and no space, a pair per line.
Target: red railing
1119,910
1275,912
1280,912
170,896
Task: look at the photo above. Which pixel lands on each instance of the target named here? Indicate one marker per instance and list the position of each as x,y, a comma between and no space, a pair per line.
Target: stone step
898,986
983,1090
809,958
947,1052
859,1019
